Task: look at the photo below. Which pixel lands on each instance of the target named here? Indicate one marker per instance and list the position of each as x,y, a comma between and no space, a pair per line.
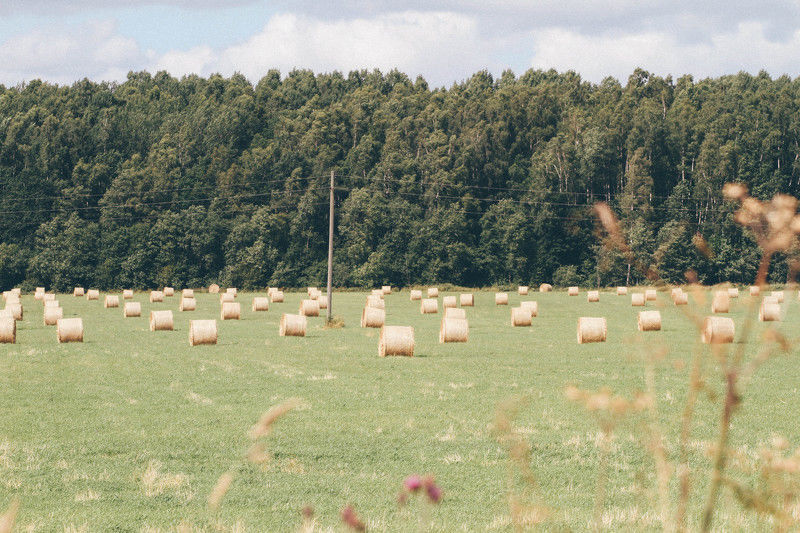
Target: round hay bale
521,316
15,309
433,292
681,298
52,315
111,301
769,312
69,330
92,294
5,313
311,290
449,301
377,293
501,298
454,312
48,297
317,294
39,293
127,294
466,299
132,309
213,289
755,290
591,329
156,296
202,332
779,295
429,306
650,295
770,300
232,290
169,291
17,291
11,297
323,301
292,325
161,321
52,303
187,304
374,301
78,292
231,311
187,293
387,289
226,297
8,330
733,292
721,302
622,291
454,330
396,340
372,317
637,299
649,321
573,291
415,295
276,296
718,330
309,308
6,294
593,296
533,307
260,303
522,290
545,287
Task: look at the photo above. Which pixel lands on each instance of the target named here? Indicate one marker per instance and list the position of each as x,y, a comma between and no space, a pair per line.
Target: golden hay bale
317,294
323,301
372,317
202,332
5,313
454,330
111,301
649,321
132,309
387,289
466,299
15,309
161,321
449,301
17,291
226,297
718,330
8,330
733,292
637,299
533,307
396,340
769,312
454,312
52,315
770,300
681,298
127,294
213,289
309,308
187,293
276,296
545,287
187,304
156,296
573,291
292,325
52,303
522,290
6,294
591,329
92,294
415,295
260,303
311,290
501,298
231,311
721,302
779,295
622,291
433,292
169,291
69,330
12,298
374,301
593,296
39,294
521,316
429,306
650,295
674,291
232,290
755,290
79,292
377,292
48,297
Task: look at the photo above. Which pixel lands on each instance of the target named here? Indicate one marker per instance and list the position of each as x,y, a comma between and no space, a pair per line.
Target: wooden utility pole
330,254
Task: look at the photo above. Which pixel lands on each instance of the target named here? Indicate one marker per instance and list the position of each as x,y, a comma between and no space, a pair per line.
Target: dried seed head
734,191
8,518
222,486
264,425
351,519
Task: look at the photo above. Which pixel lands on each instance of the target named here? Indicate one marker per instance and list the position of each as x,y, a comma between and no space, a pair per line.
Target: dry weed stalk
8,518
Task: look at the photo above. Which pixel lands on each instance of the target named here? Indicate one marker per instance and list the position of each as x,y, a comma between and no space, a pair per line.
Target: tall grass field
131,429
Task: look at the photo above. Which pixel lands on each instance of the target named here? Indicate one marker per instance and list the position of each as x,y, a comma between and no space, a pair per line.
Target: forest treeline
159,181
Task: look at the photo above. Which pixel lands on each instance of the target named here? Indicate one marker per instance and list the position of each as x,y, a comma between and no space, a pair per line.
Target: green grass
131,429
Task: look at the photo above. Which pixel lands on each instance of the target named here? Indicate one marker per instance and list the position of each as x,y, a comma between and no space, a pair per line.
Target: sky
445,41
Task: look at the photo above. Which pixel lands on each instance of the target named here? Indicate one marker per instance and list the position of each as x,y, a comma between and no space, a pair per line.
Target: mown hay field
131,429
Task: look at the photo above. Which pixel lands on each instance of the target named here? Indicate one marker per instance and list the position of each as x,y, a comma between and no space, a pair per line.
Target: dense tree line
163,181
